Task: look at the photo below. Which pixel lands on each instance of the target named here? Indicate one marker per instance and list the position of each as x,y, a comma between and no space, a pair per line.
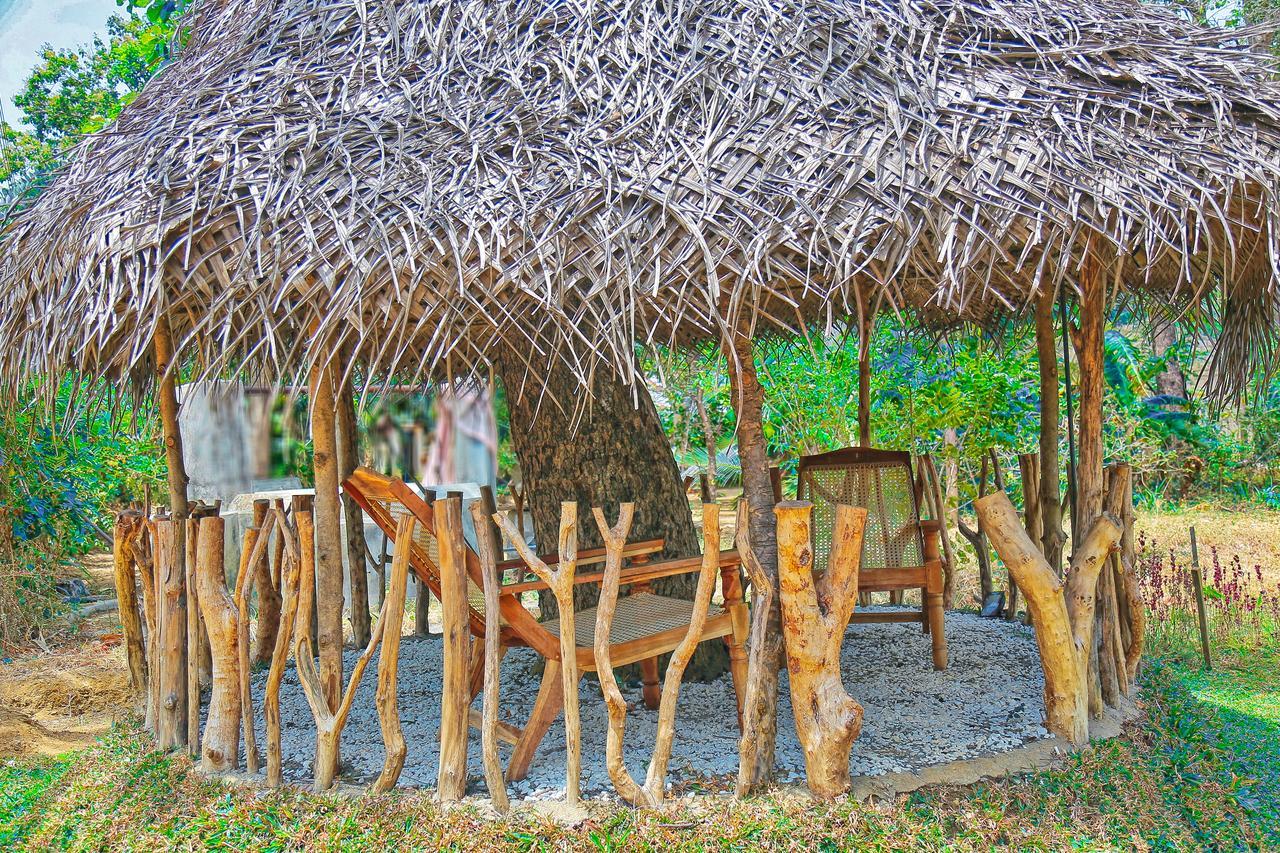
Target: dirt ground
66,688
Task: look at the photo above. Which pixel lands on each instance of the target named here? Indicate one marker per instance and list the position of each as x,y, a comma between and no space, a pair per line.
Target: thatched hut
441,187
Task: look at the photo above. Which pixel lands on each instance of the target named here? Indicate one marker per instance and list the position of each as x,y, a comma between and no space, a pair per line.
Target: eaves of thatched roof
429,181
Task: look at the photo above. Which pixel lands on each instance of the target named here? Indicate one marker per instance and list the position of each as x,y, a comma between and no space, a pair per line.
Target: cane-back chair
645,624
899,551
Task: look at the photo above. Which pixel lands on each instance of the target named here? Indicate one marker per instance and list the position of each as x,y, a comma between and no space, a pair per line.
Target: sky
27,25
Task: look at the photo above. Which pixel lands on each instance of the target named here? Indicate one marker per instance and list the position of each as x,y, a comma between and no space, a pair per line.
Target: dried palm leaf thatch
424,182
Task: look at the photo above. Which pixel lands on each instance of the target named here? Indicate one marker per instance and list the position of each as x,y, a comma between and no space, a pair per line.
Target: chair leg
933,604
924,609
649,676
545,710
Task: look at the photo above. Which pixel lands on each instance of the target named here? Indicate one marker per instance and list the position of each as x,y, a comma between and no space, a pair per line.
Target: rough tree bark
757,641
389,660
290,571
269,597
487,539
171,716
815,615
617,454
455,693
757,491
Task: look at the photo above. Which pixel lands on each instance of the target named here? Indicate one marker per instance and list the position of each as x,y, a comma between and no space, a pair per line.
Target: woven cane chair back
879,480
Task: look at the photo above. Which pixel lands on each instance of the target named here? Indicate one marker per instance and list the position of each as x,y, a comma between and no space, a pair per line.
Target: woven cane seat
637,616
881,482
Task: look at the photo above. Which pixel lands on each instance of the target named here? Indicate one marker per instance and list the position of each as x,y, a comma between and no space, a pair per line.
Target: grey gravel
989,700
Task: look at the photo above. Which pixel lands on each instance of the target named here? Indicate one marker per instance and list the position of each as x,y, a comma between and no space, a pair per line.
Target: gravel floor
988,701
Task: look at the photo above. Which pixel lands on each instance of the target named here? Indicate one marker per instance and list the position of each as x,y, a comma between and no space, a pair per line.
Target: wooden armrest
591,556
635,574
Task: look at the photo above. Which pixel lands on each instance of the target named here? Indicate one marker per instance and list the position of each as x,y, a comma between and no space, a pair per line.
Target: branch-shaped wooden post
289,564
194,631
656,782
1088,558
560,583
221,742
145,559
814,618
391,623
171,716
938,508
1066,710
615,540
762,593
455,693
487,538
329,724
254,550
129,527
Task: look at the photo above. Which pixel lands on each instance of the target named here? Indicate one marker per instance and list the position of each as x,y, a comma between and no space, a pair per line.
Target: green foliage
62,473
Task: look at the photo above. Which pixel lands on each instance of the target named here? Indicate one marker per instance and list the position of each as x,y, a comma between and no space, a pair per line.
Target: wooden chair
899,550
645,624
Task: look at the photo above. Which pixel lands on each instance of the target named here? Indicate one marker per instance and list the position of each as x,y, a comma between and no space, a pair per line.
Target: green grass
1198,772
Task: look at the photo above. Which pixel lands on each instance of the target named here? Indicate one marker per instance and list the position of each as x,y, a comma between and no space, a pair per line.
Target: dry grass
1251,532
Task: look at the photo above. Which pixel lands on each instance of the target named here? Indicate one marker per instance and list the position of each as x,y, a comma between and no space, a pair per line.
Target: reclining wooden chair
899,550
645,624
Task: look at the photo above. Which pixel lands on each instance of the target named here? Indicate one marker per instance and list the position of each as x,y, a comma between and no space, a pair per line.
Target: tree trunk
221,742
348,460
866,325
129,526
1088,346
1050,496
328,604
1170,381
171,717
617,454
269,595
709,440
757,491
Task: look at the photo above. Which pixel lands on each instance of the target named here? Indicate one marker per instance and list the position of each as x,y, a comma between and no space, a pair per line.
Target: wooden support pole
392,617
328,545
128,528
144,558
752,703
455,693
1136,607
933,494
220,749
348,461
1049,495
482,514
1032,515
815,615
560,583
757,490
1065,699
866,325
1087,561
1197,583
269,598
171,717
290,566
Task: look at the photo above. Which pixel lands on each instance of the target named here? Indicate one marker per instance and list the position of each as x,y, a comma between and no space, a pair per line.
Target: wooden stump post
763,593
128,528
145,559
938,508
814,618
251,554
221,742
1032,515
482,514
171,719
560,583
290,572
194,631
269,598
455,694
328,539
348,446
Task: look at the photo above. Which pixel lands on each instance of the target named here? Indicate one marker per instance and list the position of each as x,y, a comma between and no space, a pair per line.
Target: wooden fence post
392,618
289,566
221,748
455,694
129,526
171,719
814,618
482,514
763,592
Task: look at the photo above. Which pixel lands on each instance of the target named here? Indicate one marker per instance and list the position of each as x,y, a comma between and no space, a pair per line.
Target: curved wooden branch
615,539
1065,697
255,548
129,527
756,698
329,724
392,616
814,618
486,542
560,582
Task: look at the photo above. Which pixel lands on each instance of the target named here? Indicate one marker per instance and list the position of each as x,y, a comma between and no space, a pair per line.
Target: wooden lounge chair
899,550
645,624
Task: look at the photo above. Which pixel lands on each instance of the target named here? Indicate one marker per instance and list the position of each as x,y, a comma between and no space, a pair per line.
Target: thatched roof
431,180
